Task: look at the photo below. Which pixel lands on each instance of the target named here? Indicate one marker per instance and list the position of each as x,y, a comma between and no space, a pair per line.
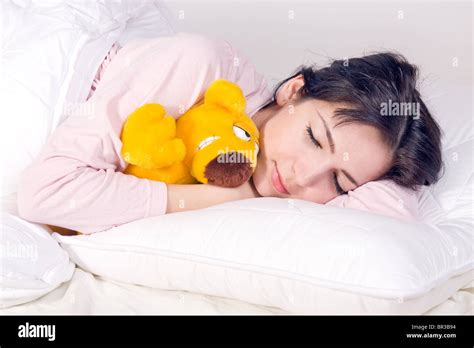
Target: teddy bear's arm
149,138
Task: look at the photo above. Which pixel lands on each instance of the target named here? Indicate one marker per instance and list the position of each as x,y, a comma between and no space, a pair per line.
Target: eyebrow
332,147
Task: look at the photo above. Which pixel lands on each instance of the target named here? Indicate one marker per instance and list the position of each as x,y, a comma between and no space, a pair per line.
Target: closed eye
311,136
338,187
315,141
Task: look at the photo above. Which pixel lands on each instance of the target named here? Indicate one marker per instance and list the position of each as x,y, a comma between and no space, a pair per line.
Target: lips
277,182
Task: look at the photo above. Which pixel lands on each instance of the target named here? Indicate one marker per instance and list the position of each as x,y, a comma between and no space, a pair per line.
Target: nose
310,171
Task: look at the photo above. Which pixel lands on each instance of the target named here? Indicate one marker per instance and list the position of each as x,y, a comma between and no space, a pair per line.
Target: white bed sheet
89,294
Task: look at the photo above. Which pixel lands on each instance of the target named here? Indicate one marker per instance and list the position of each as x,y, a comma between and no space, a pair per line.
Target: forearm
86,199
190,197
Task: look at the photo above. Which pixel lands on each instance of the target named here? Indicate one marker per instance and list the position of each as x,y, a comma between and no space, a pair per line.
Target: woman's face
292,165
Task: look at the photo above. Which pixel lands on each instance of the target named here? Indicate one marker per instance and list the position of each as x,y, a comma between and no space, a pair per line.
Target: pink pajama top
76,182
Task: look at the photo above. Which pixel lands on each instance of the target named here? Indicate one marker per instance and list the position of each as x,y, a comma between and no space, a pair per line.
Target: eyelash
339,189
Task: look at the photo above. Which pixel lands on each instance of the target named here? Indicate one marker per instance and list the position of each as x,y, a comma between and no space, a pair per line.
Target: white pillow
293,254
32,263
50,53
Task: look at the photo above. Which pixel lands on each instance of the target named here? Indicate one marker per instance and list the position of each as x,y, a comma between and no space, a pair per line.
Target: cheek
280,137
318,194
259,180
270,149
261,173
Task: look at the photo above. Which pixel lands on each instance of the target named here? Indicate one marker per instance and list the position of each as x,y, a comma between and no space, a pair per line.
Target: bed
77,286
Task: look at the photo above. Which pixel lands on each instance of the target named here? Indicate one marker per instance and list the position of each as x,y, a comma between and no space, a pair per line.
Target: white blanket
88,294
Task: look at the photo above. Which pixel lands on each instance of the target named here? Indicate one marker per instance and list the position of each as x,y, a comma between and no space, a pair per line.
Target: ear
289,90
226,94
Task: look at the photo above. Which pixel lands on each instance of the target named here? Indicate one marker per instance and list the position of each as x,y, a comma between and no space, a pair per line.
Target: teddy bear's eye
241,133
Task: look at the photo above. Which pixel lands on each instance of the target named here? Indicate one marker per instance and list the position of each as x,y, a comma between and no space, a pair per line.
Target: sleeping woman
328,136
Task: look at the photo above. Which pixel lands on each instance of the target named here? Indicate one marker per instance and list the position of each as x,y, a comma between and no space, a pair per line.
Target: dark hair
368,83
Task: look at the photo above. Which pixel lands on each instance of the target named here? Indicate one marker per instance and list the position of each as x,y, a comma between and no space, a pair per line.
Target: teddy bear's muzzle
231,169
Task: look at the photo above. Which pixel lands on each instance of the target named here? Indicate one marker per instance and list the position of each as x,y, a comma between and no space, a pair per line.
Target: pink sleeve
77,180
381,197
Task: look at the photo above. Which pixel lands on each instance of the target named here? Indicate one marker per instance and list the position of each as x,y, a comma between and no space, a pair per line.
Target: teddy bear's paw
168,153
176,173
148,125
144,117
163,130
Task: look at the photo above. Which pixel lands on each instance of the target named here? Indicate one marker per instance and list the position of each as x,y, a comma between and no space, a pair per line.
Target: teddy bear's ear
226,94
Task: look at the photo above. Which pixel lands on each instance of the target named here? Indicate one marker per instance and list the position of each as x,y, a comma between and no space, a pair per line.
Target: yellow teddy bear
214,142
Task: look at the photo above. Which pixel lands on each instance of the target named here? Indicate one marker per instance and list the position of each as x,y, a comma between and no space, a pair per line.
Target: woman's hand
190,197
